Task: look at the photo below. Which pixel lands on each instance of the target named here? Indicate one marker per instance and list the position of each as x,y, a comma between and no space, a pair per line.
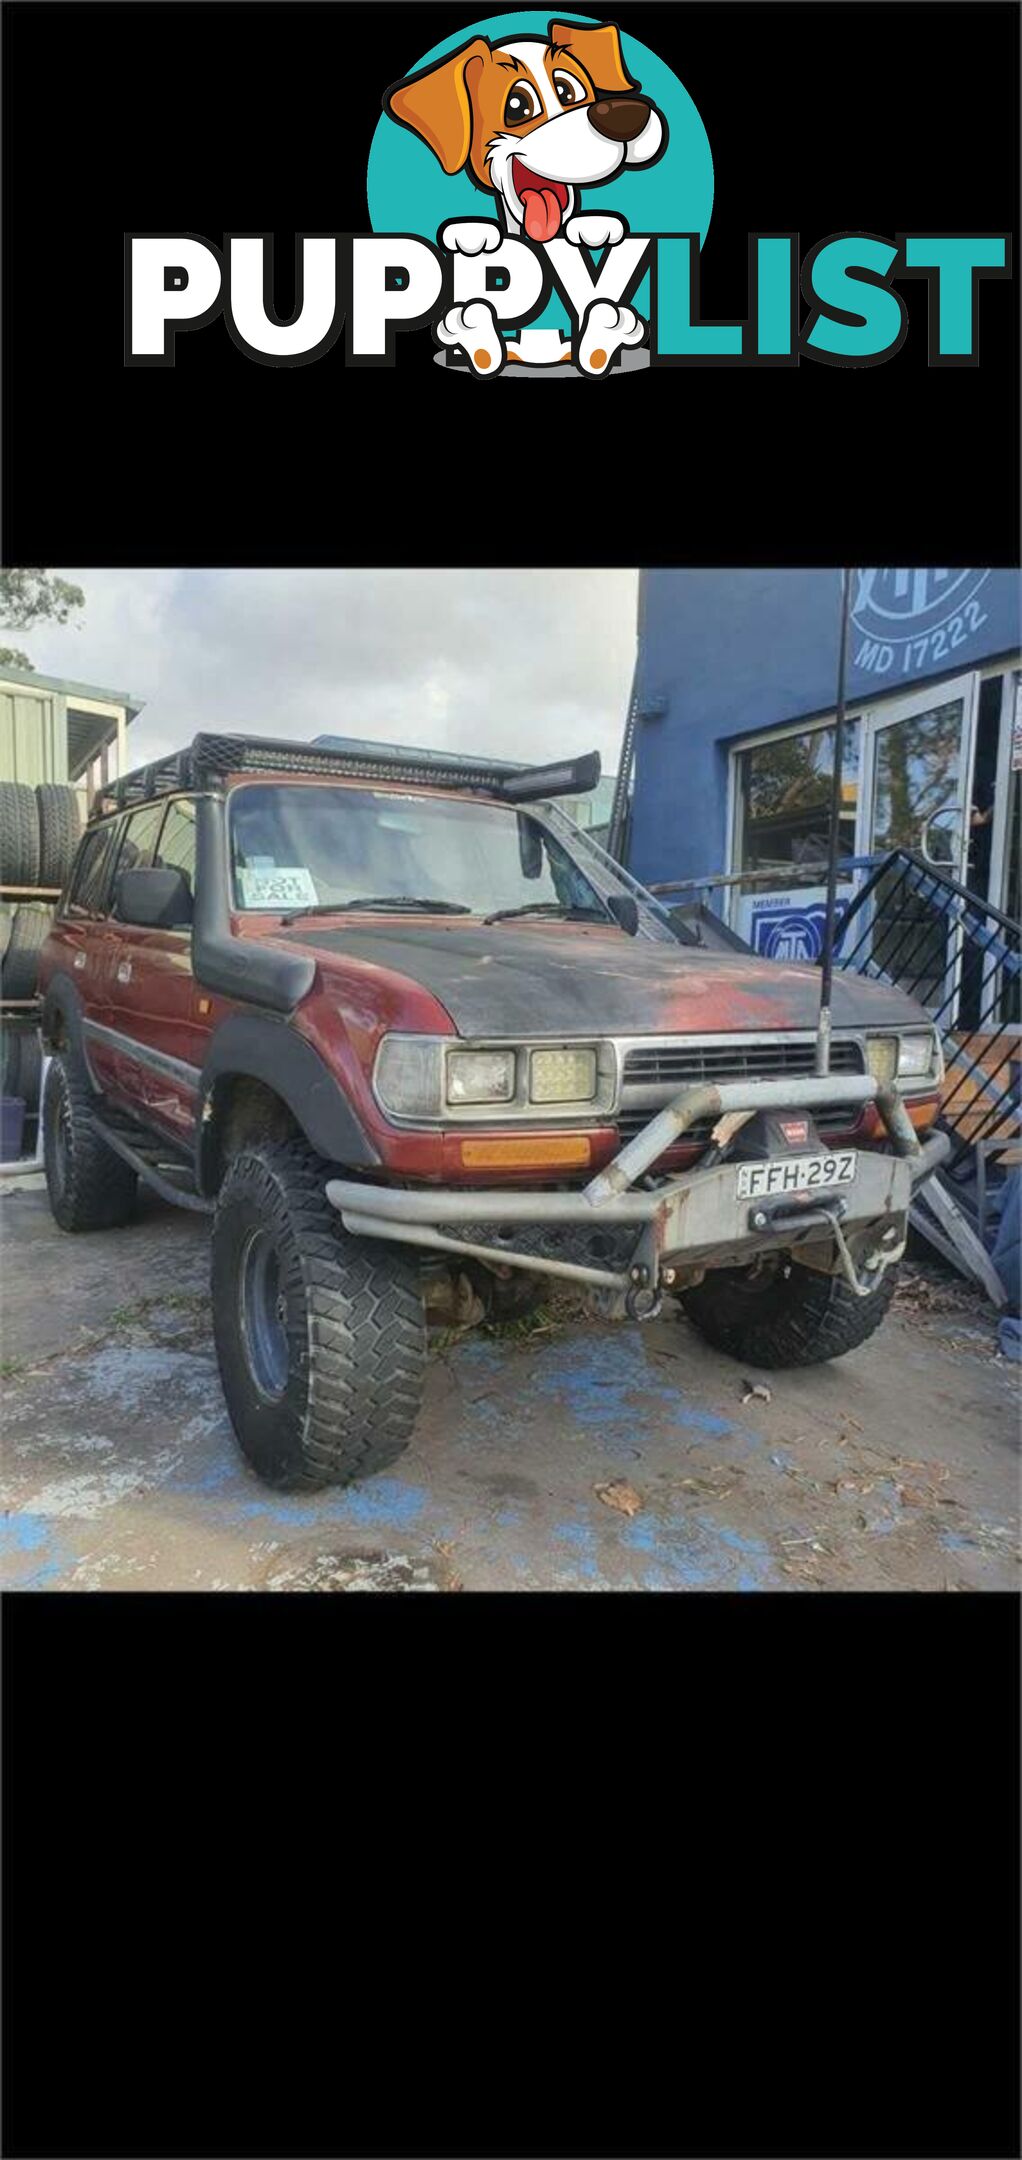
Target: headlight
408,1076
562,1076
439,1079
882,1057
916,1055
903,1057
480,1076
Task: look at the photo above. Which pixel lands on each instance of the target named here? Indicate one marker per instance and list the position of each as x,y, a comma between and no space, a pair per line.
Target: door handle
945,861
124,971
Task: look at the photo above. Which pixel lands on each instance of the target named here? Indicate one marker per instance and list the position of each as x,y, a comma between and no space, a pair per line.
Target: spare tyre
22,1065
19,834
58,832
19,968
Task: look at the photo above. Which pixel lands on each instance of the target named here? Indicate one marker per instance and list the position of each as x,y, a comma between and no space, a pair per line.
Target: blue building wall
735,651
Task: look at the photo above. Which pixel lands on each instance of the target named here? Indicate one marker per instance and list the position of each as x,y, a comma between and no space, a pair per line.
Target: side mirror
153,899
625,911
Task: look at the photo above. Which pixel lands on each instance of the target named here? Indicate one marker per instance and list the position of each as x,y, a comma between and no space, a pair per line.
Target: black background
618,1875
206,118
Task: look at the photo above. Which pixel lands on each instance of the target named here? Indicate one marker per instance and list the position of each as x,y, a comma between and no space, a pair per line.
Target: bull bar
687,1219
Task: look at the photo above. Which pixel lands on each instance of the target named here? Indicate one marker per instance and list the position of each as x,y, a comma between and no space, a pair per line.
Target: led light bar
210,757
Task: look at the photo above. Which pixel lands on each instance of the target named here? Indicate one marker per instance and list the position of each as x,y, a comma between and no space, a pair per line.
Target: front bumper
682,1223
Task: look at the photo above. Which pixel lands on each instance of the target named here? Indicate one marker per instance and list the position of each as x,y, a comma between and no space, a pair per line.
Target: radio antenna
827,952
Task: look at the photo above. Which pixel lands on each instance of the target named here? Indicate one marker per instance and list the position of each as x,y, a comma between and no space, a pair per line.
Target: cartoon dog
534,119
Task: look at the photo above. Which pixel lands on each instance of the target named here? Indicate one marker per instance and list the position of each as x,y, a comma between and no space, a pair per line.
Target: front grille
842,1118
674,1064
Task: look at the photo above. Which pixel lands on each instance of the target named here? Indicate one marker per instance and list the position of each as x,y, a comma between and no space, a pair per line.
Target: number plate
795,1174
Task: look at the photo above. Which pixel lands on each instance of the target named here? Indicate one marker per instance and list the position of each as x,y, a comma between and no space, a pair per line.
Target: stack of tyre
39,830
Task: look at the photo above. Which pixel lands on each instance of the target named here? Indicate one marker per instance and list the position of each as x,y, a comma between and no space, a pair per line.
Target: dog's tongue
542,214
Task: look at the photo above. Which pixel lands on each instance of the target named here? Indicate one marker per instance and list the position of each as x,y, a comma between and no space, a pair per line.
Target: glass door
918,791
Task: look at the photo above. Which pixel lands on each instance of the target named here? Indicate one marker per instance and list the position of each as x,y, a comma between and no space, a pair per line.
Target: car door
154,1009
85,936
180,1024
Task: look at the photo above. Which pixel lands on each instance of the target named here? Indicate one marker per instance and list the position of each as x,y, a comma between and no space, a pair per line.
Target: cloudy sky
527,664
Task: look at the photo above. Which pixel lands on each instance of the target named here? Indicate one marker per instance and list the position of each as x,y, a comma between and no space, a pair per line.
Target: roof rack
210,757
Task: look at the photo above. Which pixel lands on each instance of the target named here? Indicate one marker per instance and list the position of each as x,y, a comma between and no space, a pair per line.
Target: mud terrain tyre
22,1065
58,832
89,1187
321,1337
19,835
19,968
780,1315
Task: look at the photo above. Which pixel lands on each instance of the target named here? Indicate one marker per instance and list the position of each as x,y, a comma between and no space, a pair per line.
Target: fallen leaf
620,1495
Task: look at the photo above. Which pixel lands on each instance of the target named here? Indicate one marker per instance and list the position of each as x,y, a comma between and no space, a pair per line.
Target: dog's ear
438,106
599,50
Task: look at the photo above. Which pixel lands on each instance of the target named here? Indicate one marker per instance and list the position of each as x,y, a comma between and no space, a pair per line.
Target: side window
90,877
176,850
141,832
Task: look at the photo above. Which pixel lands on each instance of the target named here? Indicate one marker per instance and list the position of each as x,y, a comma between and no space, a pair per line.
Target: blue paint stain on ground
38,1553
598,1381
695,1553
604,1389
383,1503
986,1535
673,1552
584,1546
214,1478
610,1382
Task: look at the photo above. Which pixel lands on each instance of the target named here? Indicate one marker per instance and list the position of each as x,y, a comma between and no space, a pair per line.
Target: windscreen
310,846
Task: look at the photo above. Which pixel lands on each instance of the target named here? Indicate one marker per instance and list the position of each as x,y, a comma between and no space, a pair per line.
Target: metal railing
788,875
914,925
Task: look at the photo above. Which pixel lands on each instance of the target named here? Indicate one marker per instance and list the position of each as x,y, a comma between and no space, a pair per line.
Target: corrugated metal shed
51,729
33,734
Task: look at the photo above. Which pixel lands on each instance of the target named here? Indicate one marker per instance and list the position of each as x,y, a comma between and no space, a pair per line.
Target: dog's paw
595,229
474,327
471,236
605,328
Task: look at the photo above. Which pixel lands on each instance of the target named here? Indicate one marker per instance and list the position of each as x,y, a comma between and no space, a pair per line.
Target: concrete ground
896,1468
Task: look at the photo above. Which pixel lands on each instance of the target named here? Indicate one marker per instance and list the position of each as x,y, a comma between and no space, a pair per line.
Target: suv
392,1018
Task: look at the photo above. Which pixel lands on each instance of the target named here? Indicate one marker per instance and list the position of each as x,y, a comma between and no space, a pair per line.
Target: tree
28,597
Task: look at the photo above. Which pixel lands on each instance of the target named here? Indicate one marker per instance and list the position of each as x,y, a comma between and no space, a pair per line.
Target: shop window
784,797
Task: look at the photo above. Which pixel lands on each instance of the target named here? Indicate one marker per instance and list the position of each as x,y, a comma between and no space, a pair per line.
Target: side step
144,1157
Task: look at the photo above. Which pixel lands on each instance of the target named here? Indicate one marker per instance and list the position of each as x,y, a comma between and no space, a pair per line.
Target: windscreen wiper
380,904
551,907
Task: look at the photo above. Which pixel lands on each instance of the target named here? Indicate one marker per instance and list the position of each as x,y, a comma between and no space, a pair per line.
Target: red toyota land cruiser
384,1014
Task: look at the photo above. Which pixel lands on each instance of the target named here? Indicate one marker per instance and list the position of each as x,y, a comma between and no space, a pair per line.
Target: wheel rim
263,1313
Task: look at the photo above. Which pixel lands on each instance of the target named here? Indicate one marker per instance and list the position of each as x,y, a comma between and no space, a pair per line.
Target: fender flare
61,1001
253,1046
